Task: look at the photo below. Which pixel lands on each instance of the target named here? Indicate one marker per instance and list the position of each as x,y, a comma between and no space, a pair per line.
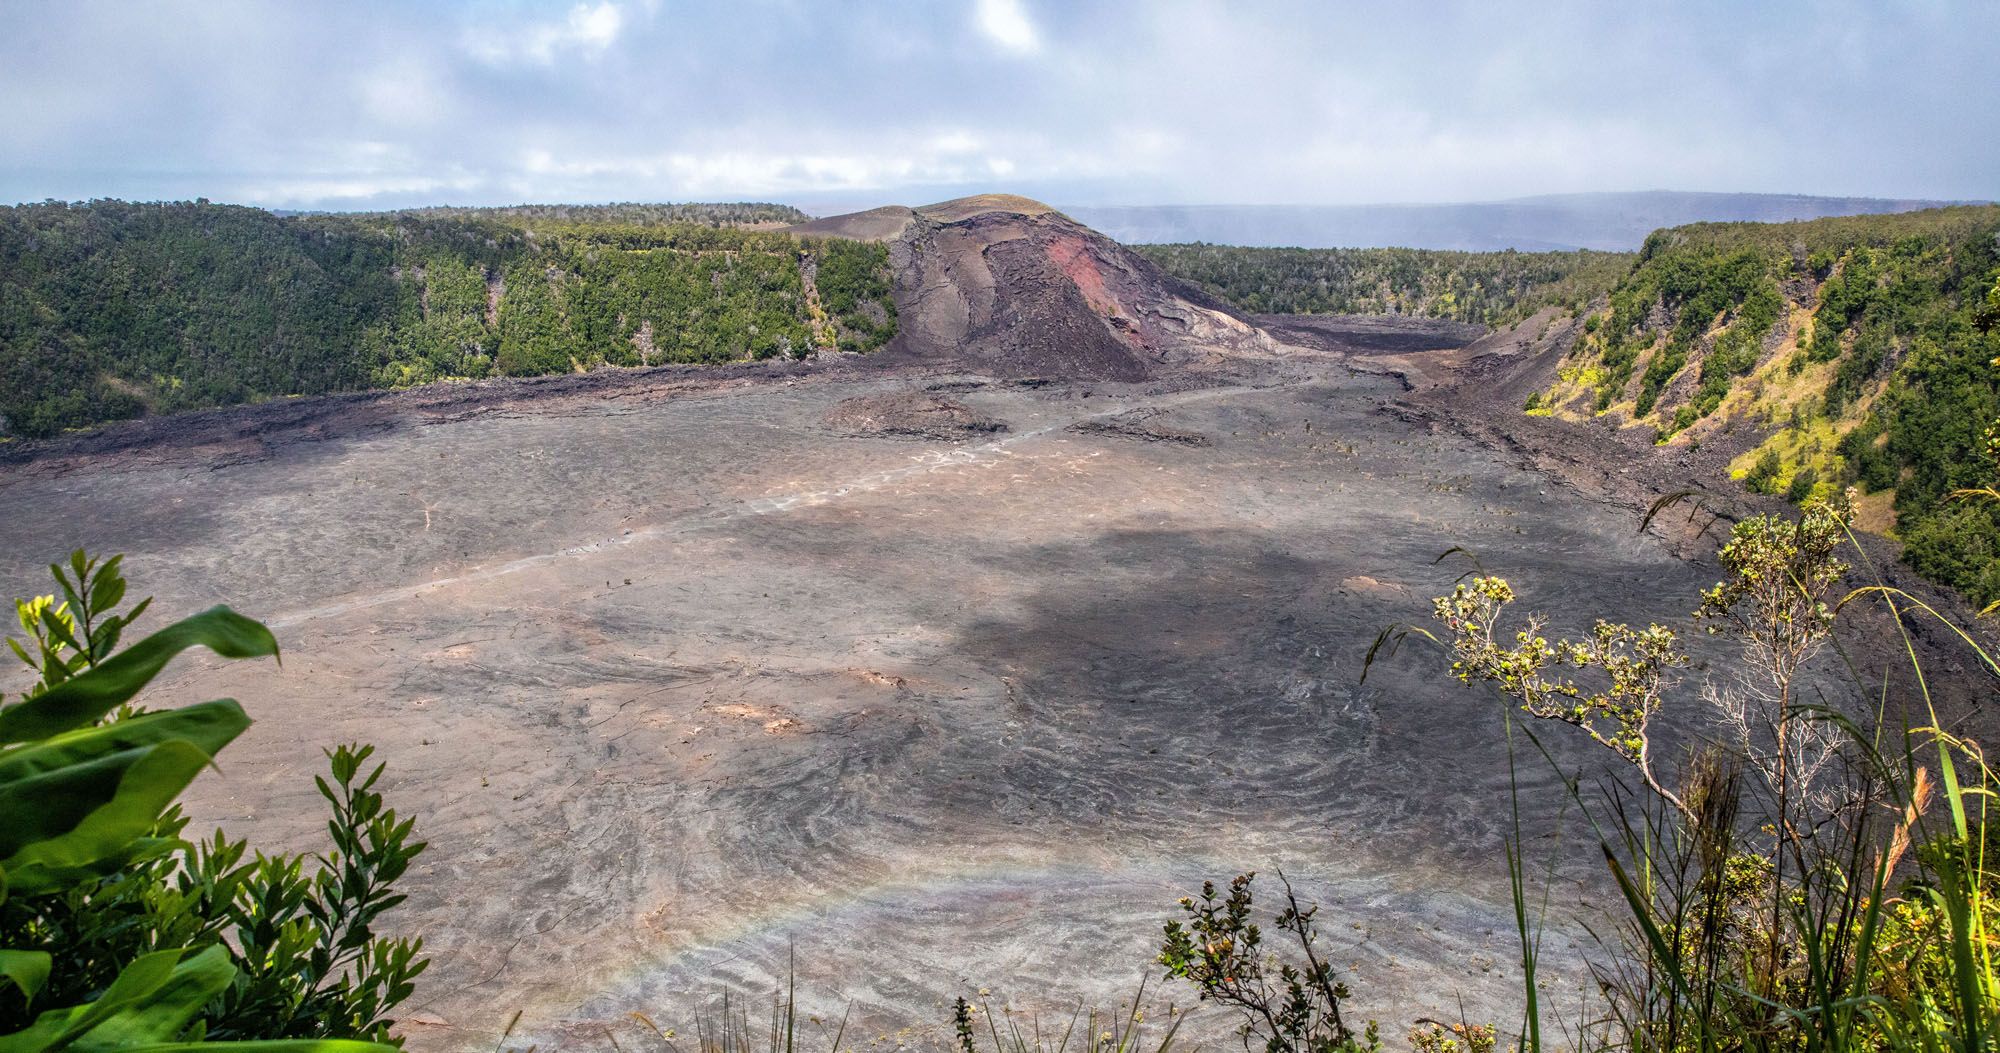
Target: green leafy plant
71,634
312,964
115,932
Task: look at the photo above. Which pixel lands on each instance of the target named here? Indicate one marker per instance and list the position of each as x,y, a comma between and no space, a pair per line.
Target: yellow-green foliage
1807,459
1574,394
1913,963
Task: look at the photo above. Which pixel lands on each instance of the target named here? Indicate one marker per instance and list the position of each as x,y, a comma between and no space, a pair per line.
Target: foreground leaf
86,698
28,970
81,820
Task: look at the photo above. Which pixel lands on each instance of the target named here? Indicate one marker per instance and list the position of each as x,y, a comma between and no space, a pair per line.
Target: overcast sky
828,103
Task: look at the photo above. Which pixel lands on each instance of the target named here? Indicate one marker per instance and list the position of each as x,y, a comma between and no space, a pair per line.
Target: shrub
1292,1006
1763,477
119,933
1804,481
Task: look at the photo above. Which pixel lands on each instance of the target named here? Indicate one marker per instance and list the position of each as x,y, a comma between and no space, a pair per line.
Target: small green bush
1293,1005
118,933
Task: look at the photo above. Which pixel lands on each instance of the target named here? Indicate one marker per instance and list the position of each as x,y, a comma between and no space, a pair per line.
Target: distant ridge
1616,222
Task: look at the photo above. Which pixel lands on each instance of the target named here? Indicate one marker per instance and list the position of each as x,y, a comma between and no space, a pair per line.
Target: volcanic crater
947,668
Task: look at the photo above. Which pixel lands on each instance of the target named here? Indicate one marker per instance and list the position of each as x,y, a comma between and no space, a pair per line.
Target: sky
832,104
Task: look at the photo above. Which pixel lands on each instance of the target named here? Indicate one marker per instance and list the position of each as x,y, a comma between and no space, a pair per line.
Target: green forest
1486,288
1863,346
110,310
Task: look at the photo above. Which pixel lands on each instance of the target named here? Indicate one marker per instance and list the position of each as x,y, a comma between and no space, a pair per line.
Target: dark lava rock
913,414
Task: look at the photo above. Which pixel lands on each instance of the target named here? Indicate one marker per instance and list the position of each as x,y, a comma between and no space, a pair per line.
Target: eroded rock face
1013,288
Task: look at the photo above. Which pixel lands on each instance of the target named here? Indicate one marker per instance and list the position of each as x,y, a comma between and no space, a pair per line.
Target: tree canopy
110,309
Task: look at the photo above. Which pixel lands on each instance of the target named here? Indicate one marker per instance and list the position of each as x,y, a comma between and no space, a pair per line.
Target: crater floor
683,689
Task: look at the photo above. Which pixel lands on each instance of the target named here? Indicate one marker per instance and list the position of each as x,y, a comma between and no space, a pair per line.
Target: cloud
1008,25
589,29
385,102
942,160
357,190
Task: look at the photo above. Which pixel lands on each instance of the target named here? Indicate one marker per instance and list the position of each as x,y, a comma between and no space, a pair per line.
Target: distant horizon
802,202
1604,221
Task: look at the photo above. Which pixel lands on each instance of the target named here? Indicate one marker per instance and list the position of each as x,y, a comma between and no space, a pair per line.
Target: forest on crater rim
111,310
